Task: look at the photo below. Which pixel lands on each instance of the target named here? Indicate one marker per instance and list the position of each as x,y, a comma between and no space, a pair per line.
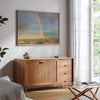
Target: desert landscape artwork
37,28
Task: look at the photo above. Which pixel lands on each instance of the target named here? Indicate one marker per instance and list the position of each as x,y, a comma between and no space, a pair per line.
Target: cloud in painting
29,25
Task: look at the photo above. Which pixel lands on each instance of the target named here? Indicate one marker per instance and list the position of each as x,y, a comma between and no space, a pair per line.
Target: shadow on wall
7,70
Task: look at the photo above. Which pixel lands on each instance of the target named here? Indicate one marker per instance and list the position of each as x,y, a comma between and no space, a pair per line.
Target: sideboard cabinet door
41,72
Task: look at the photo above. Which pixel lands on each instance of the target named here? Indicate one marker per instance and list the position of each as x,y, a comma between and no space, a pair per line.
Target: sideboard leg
25,89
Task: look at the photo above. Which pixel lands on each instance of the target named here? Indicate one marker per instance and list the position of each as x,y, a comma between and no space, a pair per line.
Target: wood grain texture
64,71
55,94
52,94
44,71
19,72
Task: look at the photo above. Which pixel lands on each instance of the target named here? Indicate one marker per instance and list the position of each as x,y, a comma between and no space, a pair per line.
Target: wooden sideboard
43,71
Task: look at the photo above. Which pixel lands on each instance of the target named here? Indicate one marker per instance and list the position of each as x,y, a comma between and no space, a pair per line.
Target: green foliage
96,49
2,50
96,2
2,20
96,10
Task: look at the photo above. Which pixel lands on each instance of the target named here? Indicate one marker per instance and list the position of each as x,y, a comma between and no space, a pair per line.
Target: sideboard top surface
60,58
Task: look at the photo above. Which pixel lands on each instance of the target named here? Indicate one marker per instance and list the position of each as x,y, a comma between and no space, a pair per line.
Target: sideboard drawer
65,70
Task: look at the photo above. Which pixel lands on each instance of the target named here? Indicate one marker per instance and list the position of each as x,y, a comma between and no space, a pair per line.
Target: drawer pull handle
64,81
40,62
65,65
65,73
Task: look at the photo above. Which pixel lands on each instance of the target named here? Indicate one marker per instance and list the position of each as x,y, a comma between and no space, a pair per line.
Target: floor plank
52,94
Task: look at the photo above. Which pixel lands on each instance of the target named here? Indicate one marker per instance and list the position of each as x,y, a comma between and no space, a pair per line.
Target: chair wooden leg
76,97
94,95
82,93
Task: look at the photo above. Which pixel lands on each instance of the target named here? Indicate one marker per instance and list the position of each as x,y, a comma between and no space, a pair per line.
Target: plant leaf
0,17
0,48
5,19
1,21
5,48
2,54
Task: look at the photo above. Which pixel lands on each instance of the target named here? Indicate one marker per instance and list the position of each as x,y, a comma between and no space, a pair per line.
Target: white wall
8,32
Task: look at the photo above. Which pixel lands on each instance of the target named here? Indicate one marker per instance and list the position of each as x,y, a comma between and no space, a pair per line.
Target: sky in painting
33,24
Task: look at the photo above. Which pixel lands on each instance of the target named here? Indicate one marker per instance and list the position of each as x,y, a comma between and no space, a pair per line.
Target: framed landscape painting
37,28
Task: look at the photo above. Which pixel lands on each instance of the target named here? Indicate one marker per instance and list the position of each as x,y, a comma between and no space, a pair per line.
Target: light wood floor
51,94
54,94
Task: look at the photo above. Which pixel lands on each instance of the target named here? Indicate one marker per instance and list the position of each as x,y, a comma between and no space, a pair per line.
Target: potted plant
2,50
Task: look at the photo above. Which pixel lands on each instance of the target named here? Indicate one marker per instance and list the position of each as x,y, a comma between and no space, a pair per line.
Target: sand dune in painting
38,41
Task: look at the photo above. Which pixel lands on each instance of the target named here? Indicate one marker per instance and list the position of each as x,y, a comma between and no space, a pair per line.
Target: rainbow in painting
37,28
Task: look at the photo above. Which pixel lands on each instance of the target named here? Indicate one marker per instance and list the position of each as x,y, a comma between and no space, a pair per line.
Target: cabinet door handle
40,62
64,81
65,65
65,73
